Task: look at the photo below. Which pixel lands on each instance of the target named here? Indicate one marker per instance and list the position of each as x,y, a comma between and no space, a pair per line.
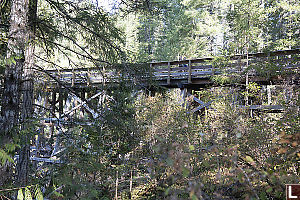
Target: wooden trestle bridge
69,92
270,68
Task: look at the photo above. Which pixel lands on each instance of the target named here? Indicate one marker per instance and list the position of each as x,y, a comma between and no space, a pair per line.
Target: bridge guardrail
192,68
197,68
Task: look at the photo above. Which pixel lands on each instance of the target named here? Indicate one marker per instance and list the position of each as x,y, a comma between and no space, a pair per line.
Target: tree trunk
13,75
27,98
18,83
15,62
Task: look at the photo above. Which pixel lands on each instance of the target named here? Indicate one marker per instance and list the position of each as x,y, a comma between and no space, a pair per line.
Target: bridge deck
192,71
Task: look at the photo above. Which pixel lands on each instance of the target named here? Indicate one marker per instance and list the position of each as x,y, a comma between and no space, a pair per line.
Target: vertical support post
188,93
190,72
130,183
151,70
247,77
61,102
75,104
183,93
262,94
285,92
73,78
83,97
53,103
239,64
212,69
247,96
88,75
205,114
117,183
169,74
269,95
46,100
65,99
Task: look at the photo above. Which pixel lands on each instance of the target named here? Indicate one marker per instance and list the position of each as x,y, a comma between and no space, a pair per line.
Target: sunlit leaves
249,160
30,192
38,193
20,195
192,147
27,194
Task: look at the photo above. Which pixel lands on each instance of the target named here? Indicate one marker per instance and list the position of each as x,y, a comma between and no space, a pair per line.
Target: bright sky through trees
107,5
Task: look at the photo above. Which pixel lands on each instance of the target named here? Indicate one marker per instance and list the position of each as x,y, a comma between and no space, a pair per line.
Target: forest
149,99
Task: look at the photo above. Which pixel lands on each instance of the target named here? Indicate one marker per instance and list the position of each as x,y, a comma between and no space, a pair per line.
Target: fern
11,147
5,157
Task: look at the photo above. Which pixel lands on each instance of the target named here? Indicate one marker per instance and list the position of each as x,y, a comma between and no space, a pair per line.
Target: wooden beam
263,107
73,78
88,77
94,113
47,160
213,70
190,72
169,74
61,101
269,94
196,99
200,107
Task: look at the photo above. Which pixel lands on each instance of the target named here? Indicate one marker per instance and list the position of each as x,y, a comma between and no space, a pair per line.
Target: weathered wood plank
47,160
198,67
201,107
196,99
263,107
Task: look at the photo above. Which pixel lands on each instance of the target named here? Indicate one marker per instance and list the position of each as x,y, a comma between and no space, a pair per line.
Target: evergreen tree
75,29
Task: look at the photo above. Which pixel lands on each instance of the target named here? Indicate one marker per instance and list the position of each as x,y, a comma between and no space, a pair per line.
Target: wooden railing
203,67
187,70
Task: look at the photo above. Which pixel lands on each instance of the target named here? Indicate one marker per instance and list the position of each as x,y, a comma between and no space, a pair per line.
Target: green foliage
159,35
26,193
7,152
221,62
221,79
252,90
38,193
4,25
77,34
96,154
4,157
228,163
